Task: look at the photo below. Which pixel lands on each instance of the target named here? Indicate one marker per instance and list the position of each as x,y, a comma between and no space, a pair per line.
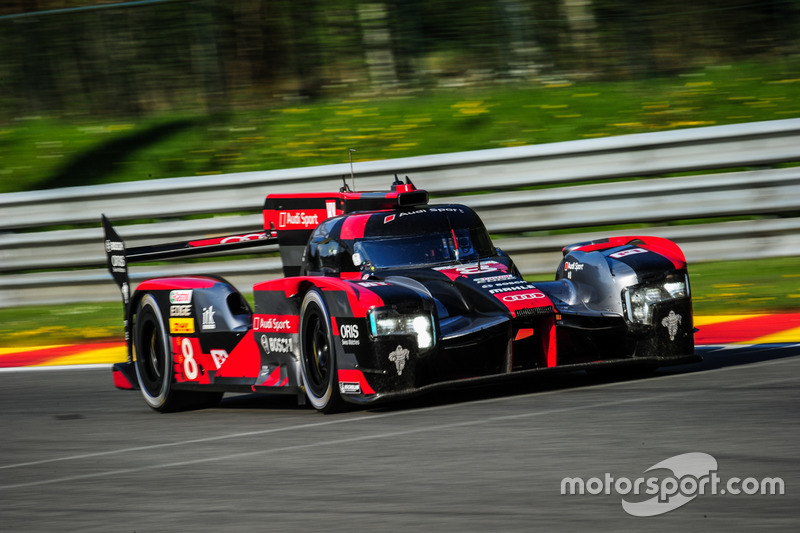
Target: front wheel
317,355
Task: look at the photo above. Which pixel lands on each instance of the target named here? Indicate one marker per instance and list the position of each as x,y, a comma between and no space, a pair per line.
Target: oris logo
350,335
523,297
349,331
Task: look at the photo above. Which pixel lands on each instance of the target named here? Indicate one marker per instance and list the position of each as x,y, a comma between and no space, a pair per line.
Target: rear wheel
317,355
154,363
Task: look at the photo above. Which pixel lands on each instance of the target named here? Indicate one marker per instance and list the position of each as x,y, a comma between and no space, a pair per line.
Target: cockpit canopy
368,242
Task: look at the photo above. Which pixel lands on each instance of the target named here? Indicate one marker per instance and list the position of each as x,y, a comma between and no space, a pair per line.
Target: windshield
424,249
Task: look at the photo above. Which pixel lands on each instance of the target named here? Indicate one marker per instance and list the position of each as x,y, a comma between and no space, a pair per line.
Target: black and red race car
385,295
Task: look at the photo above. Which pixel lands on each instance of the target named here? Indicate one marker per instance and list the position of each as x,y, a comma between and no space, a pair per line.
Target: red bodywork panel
182,282
659,245
359,297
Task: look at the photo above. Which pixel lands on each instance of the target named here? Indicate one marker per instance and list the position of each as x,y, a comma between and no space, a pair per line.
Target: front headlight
639,300
385,322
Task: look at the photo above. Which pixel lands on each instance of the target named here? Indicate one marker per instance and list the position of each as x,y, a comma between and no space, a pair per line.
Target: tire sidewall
325,401
148,310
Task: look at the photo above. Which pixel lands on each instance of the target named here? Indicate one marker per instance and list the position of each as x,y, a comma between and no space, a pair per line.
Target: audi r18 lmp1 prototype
385,295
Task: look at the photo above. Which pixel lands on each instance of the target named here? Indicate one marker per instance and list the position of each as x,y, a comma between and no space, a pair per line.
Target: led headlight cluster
640,299
384,322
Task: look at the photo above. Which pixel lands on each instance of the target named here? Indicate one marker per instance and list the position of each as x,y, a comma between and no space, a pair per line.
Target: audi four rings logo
243,238
522,297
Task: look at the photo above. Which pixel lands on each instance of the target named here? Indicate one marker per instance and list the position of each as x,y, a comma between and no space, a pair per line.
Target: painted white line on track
363,438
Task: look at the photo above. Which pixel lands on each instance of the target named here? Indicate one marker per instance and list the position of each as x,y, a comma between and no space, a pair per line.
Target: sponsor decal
243,238
510,286
118,263
180,296
330,207
180,310
493,279
219,357
301,218
181,326
349,335
348,387
230,239
114,246
671,322
417,212
350,331
573,266
389,218
208,318
527,298
126,292
522,297
399,357
276,323
276,344
625,253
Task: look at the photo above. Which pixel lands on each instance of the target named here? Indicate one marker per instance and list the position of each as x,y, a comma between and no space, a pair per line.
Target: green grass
45,152
734,287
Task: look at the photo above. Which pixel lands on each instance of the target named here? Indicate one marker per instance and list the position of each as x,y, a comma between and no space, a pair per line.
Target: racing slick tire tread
317,355
154,364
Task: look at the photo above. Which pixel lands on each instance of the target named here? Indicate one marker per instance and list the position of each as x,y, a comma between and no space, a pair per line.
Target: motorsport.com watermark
693,474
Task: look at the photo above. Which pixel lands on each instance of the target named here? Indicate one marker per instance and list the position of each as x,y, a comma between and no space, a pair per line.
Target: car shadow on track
714,357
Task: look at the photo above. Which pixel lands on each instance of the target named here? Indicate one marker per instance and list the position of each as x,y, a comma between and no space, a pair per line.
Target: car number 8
190,367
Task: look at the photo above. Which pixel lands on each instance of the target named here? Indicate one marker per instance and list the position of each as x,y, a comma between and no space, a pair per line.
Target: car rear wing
289,220
118,256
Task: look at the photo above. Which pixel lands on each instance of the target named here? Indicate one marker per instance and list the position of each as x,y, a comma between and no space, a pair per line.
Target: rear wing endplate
118,257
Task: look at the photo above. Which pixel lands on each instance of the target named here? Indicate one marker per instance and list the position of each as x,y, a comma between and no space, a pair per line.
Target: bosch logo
276,344
523,297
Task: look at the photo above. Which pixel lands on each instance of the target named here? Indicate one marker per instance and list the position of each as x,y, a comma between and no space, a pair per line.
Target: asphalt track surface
78,455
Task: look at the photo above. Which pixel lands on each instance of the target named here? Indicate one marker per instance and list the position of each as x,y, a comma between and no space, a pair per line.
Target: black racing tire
154,366
318,355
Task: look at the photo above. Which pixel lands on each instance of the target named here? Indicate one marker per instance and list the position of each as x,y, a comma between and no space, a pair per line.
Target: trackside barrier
523,194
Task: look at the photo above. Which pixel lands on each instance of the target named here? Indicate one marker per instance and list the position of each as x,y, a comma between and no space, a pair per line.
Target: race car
385,295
